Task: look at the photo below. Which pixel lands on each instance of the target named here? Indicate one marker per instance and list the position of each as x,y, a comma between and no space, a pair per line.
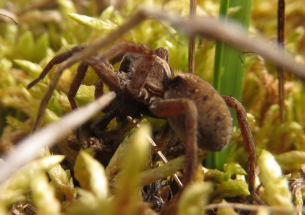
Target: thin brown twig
9,18
280,42
160,154
32,208
169,33
191,51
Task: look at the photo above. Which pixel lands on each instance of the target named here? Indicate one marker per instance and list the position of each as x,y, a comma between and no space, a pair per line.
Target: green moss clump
47,184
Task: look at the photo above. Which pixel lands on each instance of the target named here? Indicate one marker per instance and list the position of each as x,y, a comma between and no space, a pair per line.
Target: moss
41,34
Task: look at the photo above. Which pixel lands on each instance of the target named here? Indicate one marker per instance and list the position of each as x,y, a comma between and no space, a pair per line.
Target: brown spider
180,99
194,109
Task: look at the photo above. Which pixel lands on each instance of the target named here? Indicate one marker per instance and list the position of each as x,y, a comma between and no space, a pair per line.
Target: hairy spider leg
103,69
170,107
249,142
56,60
99,89
162,139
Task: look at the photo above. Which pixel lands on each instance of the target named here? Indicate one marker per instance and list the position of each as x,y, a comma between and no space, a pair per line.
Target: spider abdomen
214,121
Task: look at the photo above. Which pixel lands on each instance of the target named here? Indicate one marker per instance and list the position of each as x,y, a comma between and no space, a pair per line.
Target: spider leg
143,69
56,60
117,58
162,53
139,78
248,141
100,125
162,59
115,135
162,139
99,89
80,75
106,73
77,80
171,107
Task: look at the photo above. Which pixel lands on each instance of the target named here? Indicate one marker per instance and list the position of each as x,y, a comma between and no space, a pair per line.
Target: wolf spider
196,112
194,109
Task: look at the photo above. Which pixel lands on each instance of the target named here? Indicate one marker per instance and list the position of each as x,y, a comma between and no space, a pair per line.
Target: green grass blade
229,76
223,10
